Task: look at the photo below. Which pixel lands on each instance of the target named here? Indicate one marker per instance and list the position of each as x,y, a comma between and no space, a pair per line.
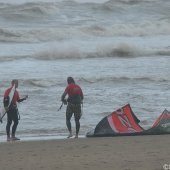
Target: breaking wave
49,21
121,50
123,79
27,10
46,83
47,34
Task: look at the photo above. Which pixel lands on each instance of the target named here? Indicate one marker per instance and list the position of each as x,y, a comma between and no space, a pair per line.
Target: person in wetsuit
74,101
12,110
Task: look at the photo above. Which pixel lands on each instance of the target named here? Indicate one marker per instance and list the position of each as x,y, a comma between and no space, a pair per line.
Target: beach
111,153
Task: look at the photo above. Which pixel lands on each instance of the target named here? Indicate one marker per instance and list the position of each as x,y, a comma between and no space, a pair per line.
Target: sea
118,51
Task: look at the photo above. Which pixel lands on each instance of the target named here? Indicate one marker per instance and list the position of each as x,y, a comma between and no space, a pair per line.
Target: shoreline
125,153
28,138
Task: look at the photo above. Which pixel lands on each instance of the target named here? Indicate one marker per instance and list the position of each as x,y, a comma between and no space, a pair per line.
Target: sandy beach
119,153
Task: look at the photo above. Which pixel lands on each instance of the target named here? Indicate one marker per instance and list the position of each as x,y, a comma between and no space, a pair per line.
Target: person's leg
14,127
69,114
8,125
77,127
77,116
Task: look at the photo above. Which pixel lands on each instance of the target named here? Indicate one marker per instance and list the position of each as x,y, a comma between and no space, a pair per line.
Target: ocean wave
69,52
8,33
165,52
42,8
120,50
72,13
144,28
56,21
36,35
27,10
40,83
49,34
94,80
47,83
13,58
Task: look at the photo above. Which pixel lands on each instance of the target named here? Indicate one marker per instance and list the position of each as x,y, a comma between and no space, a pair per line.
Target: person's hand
6,109
65,102
26,97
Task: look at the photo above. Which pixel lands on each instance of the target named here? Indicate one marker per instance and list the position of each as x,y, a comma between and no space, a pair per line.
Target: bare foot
70,135
15,138
8,139
76,136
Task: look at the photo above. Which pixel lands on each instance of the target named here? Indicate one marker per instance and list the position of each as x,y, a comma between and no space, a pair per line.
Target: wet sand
112,153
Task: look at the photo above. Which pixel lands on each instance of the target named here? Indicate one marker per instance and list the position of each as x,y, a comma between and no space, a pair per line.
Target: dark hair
70,80
14,81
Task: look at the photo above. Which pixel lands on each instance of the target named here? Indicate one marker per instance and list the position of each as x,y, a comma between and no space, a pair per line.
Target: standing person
74,101
12,110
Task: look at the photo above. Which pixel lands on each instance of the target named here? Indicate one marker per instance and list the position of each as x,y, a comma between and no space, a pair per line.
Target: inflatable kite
123,122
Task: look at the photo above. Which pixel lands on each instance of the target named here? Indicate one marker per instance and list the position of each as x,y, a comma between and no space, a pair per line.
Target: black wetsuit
12,115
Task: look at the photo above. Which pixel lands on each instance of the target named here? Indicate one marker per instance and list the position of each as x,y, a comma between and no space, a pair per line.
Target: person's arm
24,98
21,99
63,97
82,96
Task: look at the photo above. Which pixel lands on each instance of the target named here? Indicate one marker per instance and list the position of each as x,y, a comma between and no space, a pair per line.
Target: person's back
75,98
75,94
14,100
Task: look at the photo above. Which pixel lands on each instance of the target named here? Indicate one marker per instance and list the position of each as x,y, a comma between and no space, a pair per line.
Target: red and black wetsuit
75,97
75,94
12,113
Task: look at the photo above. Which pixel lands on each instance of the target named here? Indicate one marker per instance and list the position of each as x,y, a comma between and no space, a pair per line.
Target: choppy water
118,51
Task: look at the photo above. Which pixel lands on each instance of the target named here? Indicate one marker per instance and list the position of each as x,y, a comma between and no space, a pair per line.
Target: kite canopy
123,122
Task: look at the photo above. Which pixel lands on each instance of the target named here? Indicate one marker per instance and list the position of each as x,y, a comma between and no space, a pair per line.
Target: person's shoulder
8,89
16,91
67,87
78,85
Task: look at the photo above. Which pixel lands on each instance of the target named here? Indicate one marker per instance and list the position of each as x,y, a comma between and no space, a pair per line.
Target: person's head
14,82
70,80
